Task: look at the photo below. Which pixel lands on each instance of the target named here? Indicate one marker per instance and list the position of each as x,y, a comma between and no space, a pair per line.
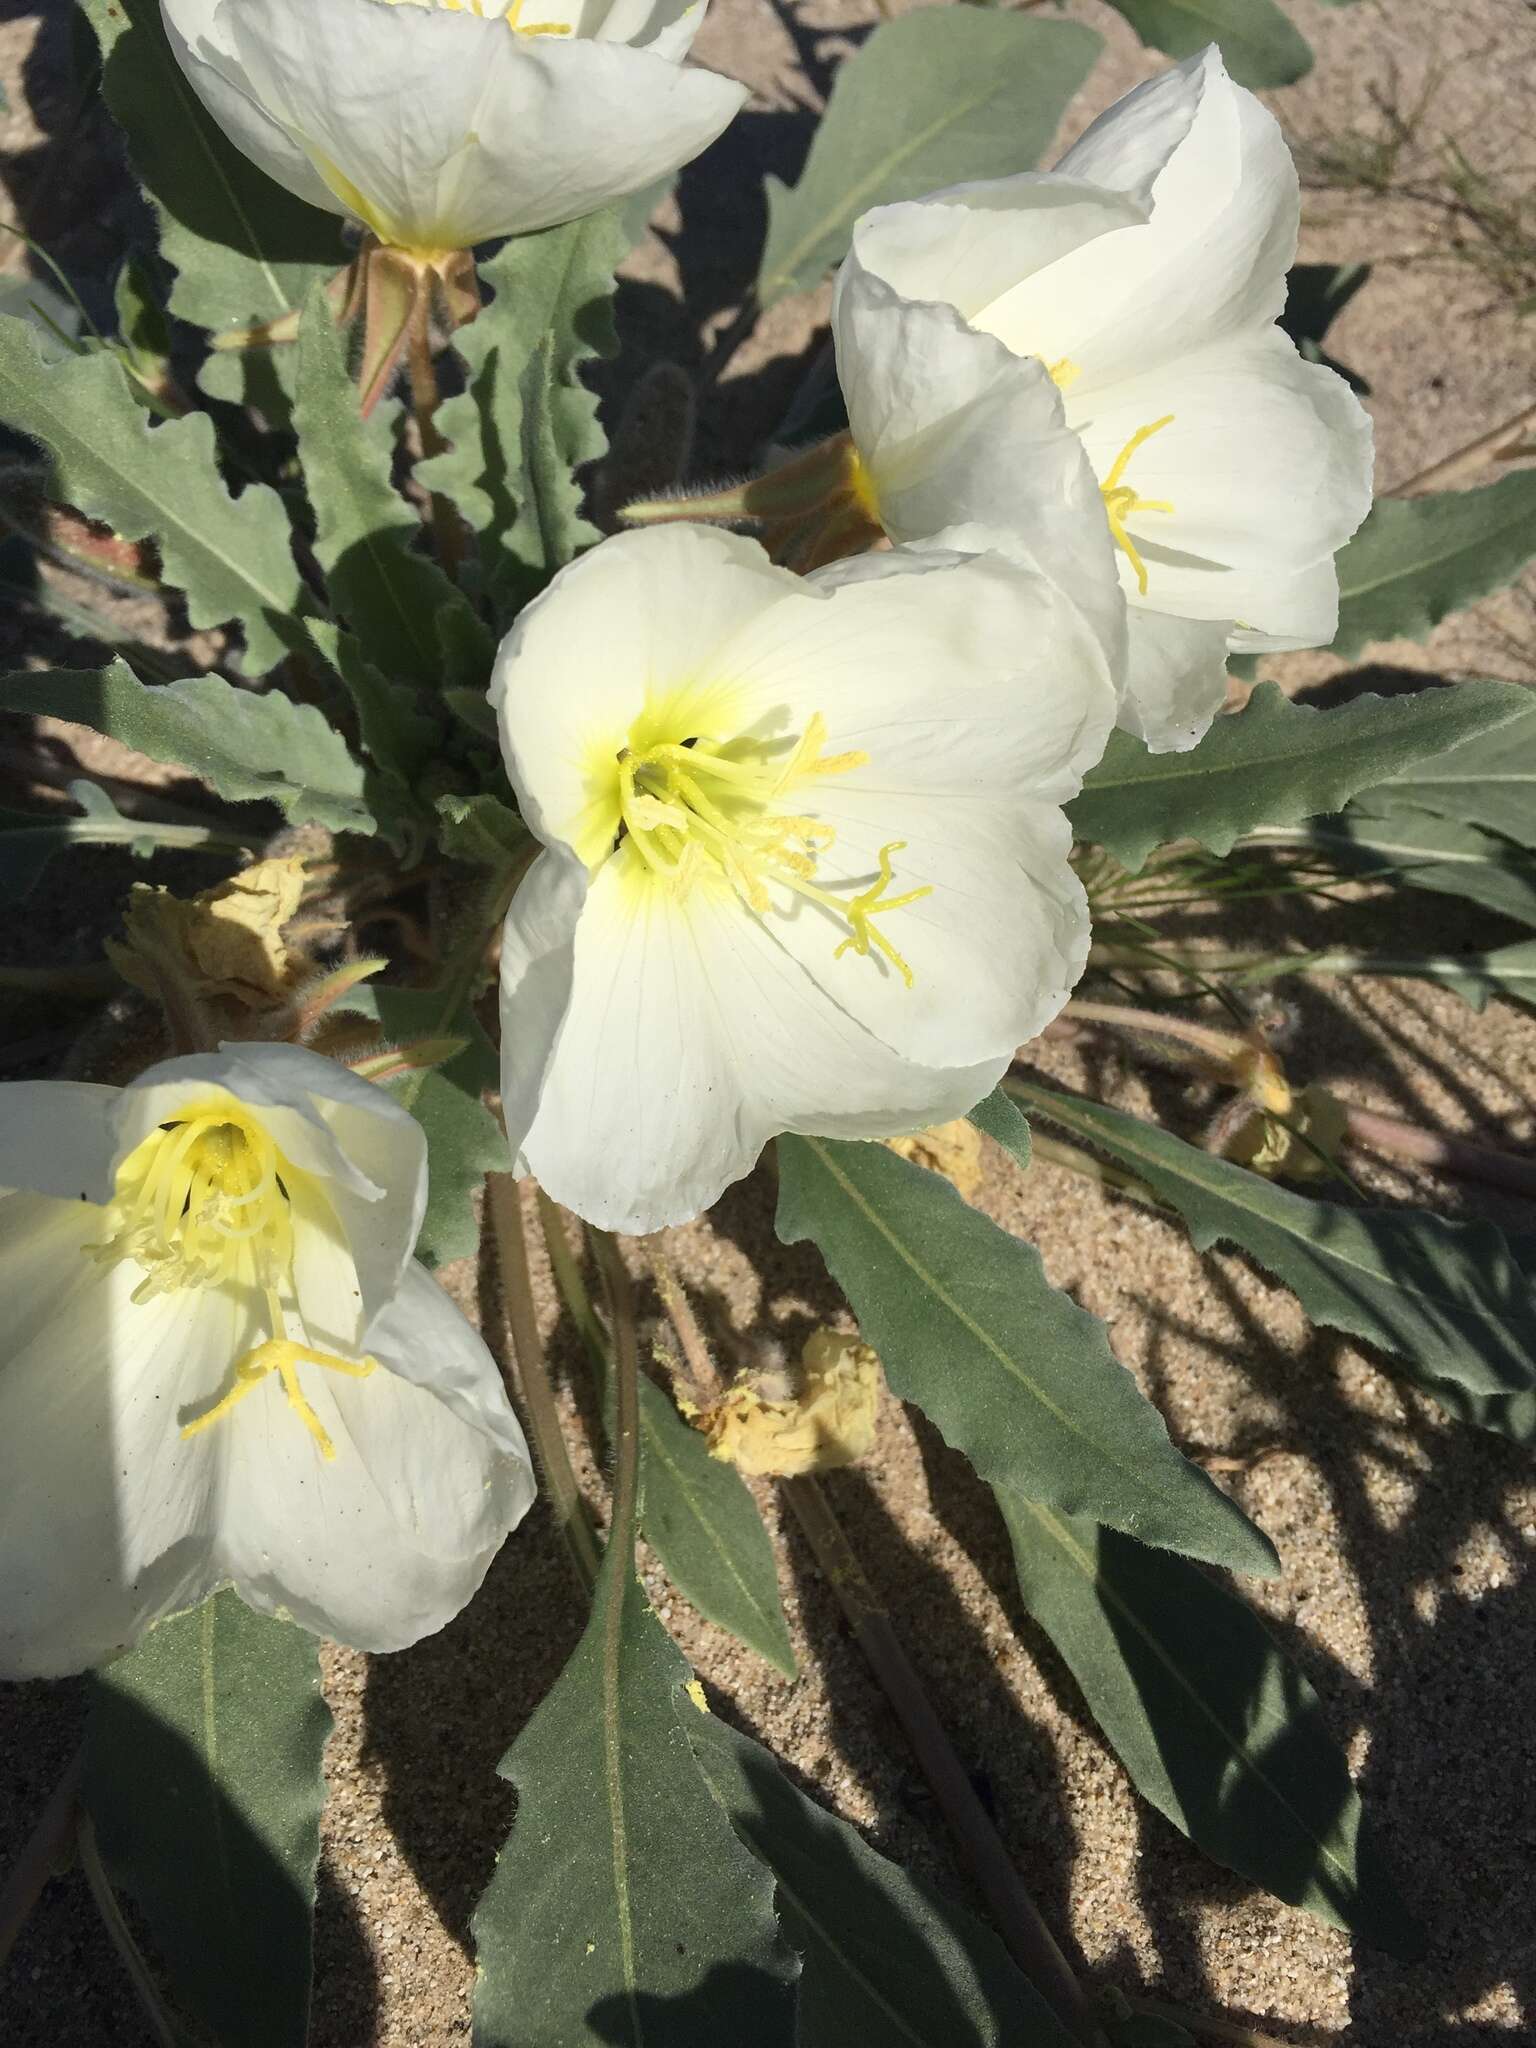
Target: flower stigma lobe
1121,501
693,810
204,1201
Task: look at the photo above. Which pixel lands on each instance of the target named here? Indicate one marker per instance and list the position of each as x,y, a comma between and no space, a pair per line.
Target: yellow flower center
205,1201
511,14
1121,501
693,810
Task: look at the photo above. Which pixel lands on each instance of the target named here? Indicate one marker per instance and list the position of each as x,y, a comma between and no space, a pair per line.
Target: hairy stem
706,1375
626,1379
1029,1941
569,1284
447,536
572,1518
1437,1149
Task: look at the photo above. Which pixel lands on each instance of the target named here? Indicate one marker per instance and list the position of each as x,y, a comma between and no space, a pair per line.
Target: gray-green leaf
624,1909
203,1780
1418,849
935,97
1446,1300
1217,1728
1417,560
1259,45
1274,763
704,1526
244,249
525,421
1488,780
30,839
367,538
883,1958
1008,1368
231,556
1506,971
244,745
999,1118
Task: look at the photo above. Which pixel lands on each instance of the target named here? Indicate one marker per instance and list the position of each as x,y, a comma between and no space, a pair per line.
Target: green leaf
1258,44
367,538
1506,971
1007,1368
464,1140
884,1960
396,731
704,1526
1488,780
1417,560
999,1119
1274,763
232,556
935,97
624,1909
203,1780
1421,851
30,839
525,421
1446,1300
243,745
1217,1728
480,830
245,250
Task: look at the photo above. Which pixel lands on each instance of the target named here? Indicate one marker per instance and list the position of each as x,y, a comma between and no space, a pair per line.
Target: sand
1407,1595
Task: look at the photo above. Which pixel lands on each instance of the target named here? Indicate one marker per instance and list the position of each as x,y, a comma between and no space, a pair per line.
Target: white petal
690,1039
199,32
442,129
423,1337
385,1542
955,430
1129,146
1290,611
105,1511
537,962
1210,263
994,950
574,672
1266,459
968,674
969,245
58,1138
1176,681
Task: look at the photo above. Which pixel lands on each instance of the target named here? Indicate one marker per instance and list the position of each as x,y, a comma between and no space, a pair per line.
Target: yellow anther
1064,372
531,28
862,911
282,1356
694,808
1122,503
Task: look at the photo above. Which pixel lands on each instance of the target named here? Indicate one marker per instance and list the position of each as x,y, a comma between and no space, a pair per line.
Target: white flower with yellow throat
1120,308
437,124
805,864
221,1364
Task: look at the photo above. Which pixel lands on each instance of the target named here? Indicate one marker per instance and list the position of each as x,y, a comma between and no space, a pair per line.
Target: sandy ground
1408,1595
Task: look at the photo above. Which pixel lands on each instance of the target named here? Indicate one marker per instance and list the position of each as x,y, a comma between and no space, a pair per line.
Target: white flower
1129,295
442,123
221,1365
805,864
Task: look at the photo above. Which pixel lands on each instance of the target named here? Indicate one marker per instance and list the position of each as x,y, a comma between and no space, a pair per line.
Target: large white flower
442,123
221,1365
805,868
1130,296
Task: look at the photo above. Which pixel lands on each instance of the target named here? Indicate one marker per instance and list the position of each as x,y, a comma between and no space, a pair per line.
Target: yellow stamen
281,1355
862,909
207,1201
1064,372
1121,501
697,808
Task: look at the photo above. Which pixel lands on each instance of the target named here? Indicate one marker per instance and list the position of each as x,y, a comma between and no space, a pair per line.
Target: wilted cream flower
783,1424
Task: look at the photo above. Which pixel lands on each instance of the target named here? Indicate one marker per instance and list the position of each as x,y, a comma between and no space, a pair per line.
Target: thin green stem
572,1518
570,1285
626,1377
707,1377
48,1850
165,2029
